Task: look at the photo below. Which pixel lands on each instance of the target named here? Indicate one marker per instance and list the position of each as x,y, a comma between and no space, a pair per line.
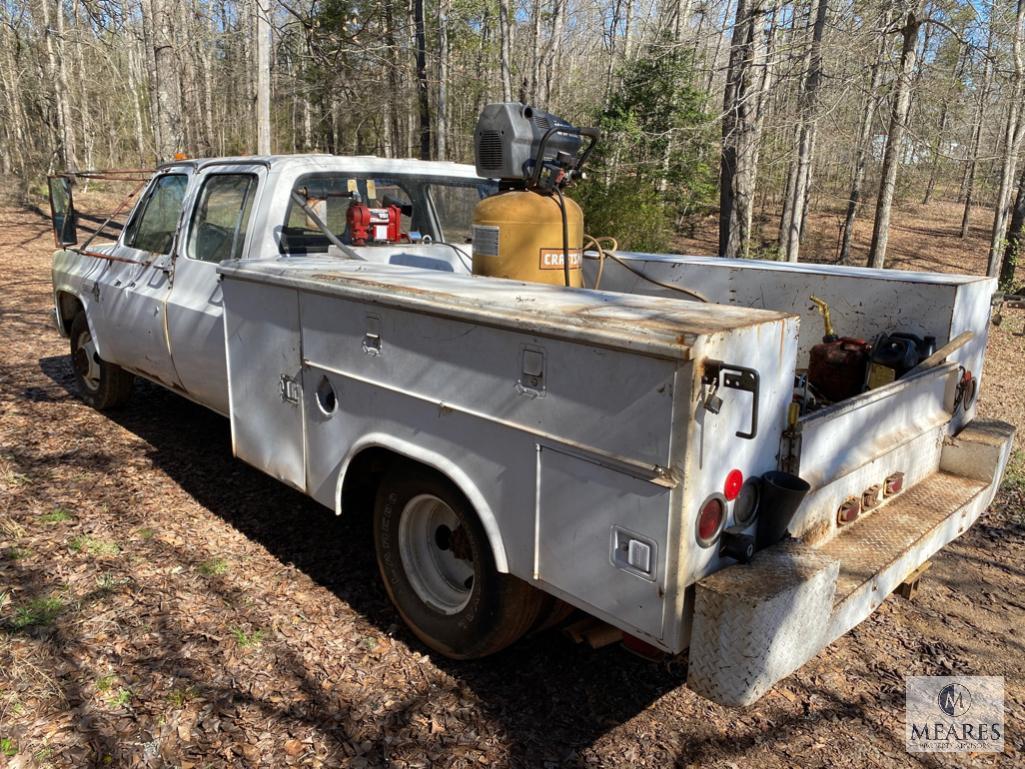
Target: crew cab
620,449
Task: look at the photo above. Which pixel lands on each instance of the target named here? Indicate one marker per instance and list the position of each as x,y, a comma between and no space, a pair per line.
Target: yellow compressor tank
518,235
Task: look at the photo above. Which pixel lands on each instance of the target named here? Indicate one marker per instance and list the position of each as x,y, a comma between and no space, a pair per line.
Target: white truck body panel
573,421
602,449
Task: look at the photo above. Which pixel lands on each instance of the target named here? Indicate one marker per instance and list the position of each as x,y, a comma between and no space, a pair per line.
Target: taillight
734,480
711,518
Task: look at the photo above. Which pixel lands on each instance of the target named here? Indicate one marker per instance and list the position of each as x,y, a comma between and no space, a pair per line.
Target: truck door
216,231
133,292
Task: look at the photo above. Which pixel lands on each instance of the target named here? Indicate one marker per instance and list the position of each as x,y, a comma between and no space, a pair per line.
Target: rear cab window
437,207
153,227
220,219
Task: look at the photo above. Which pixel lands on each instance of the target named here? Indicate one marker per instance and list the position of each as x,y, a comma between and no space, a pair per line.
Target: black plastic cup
782,494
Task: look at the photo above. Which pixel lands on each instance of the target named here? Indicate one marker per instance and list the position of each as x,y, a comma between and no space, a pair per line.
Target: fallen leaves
242,624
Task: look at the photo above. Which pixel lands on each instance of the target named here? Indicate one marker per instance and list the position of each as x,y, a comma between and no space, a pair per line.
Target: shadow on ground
548,702
551,697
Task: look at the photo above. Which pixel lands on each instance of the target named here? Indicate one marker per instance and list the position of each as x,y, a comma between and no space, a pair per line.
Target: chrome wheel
87,362
436,553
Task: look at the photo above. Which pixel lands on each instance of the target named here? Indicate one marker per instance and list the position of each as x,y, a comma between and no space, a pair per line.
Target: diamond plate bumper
755,624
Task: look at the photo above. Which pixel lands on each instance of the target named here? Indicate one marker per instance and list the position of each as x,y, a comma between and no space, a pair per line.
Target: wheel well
363,475
69,306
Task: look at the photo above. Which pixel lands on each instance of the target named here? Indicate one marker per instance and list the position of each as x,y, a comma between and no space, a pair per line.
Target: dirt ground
163,605
921,238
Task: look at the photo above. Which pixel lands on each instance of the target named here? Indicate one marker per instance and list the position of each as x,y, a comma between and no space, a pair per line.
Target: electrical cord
591,241
611,254
464,257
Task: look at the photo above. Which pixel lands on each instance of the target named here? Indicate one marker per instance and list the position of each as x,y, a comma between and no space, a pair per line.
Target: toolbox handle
735,378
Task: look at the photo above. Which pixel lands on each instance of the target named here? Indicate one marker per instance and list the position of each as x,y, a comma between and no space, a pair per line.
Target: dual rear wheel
439,570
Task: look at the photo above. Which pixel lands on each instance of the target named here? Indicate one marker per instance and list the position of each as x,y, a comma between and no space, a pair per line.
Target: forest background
744,118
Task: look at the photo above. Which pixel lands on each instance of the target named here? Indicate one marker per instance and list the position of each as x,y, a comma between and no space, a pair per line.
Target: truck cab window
153,226
439,208
221,217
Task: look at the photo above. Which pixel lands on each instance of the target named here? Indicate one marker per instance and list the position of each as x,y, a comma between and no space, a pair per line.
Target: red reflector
731,488
893,484
710,520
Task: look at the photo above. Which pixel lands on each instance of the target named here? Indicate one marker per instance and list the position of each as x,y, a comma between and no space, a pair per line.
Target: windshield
440,208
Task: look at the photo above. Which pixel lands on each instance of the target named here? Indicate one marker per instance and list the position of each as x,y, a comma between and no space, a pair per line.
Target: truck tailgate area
756,624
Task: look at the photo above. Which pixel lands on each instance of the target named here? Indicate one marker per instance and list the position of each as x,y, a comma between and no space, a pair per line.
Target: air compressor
529,230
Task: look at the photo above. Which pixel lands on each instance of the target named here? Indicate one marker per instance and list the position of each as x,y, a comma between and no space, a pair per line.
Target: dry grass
212,617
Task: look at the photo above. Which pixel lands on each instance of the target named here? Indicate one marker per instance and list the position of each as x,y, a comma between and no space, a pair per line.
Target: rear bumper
755,624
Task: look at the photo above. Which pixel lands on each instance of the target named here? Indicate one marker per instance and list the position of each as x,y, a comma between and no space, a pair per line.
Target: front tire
439,571
100,384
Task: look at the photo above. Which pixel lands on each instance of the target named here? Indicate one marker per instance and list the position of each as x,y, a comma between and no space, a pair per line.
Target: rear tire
101,384
439,571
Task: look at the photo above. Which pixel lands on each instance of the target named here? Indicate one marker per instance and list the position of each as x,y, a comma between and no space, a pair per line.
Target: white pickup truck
532,446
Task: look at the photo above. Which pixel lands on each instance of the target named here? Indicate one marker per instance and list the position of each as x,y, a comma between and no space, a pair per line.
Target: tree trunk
168,121
59,77
980,117
1014,237
263,135
18,146
390,132
937,147
739,130
536,51
135,85
809,118
442,106
1011,144
553,53
422,87
864,135
505,34
895,138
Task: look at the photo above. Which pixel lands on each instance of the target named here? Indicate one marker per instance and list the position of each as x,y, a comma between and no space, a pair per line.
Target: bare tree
59,75
167,89
1015,233
740,131
263,133
795,204
980,115
422,87
901,98
441,111
505,34
861,154
1013,131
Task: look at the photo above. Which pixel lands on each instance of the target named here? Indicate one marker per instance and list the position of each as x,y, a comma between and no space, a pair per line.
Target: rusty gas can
836,367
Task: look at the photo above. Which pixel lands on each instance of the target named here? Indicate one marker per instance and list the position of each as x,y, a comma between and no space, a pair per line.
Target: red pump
374,225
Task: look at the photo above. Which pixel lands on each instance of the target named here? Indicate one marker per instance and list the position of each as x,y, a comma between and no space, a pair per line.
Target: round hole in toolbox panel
326,398
746,507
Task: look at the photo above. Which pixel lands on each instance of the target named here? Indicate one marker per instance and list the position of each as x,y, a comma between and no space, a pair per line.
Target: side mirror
62,212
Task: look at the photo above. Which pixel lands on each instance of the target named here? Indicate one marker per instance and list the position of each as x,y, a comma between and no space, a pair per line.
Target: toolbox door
261,326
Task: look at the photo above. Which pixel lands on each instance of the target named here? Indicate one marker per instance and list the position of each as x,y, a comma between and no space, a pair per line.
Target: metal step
876,541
